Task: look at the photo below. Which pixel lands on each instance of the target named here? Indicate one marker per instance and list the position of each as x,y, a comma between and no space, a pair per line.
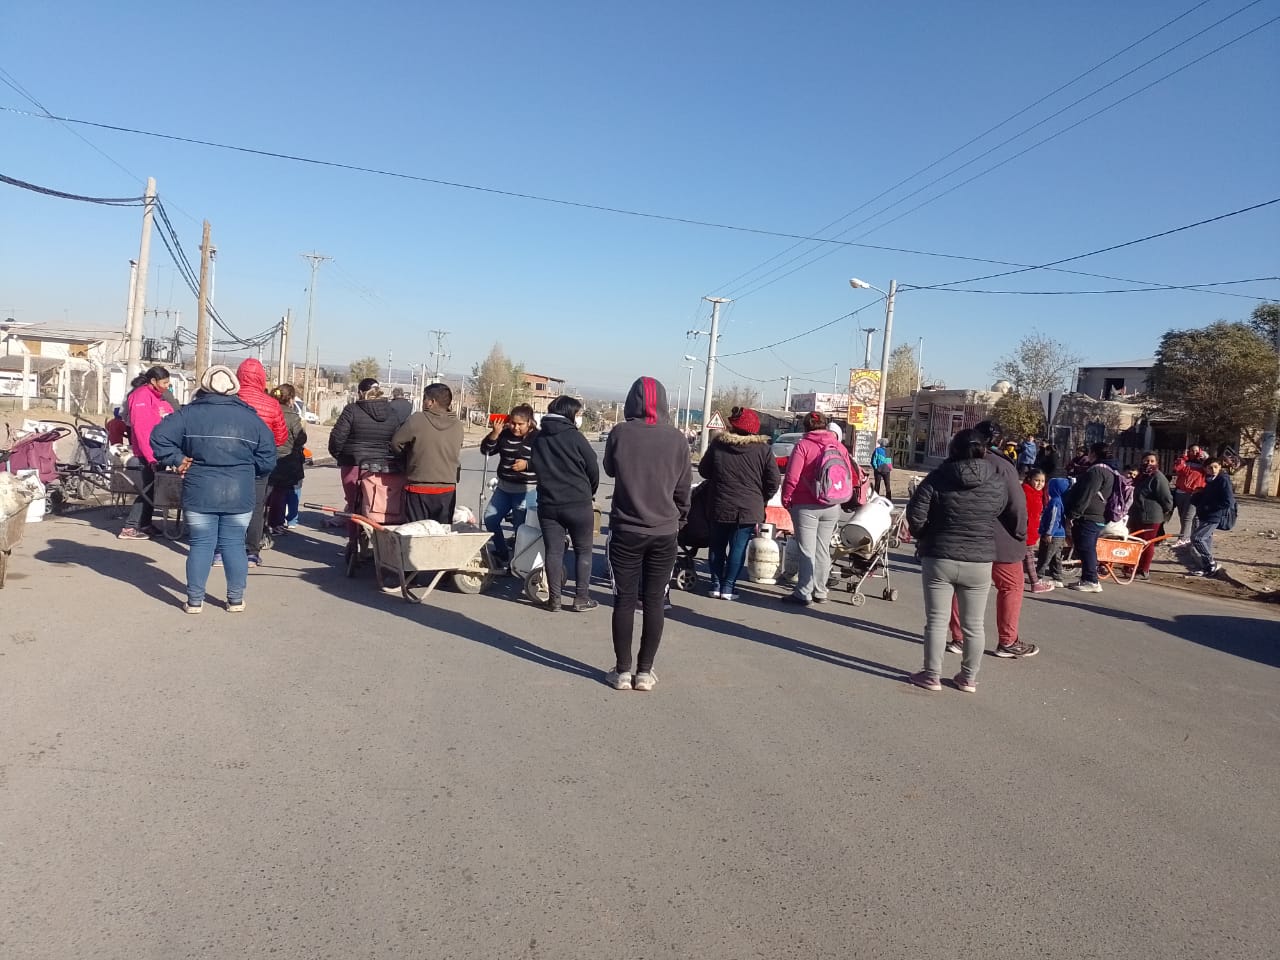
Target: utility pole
316,259
213,263
688,407
389,377
438,352
705,438
870,332
884,356
139,300
202,307
915,402
284,348
786,397
1267,448
133,283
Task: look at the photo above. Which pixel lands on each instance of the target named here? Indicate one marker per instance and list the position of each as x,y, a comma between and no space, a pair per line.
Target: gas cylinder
764,558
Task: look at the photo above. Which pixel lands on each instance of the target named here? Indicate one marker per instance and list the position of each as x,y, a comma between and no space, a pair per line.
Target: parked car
604,434
783,446
307,416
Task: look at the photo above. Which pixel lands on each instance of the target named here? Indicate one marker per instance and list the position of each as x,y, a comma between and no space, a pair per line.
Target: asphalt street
340,774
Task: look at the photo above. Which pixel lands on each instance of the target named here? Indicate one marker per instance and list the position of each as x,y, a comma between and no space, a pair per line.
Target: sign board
828,403
864,391
715,423
864,444
1050,401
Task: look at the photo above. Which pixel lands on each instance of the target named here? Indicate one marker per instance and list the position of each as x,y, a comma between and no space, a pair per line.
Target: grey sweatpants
970,583
814,527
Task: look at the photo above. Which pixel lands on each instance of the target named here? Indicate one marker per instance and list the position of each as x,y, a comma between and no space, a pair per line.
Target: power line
1081,293
997,165
812,330
970,142
50,192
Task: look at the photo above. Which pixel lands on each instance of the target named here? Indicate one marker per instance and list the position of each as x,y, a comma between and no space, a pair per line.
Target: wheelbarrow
11,530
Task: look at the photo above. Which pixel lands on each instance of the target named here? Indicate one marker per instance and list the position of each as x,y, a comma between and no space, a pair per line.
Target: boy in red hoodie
1033,489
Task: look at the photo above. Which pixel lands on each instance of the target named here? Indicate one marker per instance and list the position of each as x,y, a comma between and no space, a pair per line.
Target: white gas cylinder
869,523
764,557
528,552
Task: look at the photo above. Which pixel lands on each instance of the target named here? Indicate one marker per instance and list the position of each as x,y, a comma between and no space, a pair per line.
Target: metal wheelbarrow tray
11,530
409,559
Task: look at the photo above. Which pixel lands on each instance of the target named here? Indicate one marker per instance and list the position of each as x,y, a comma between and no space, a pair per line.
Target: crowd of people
993,515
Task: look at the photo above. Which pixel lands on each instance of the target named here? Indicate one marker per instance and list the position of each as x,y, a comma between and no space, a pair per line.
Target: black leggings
578,521
883,476
635,559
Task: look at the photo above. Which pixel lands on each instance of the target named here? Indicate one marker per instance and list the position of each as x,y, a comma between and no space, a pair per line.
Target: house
64,364
542,390
1115,381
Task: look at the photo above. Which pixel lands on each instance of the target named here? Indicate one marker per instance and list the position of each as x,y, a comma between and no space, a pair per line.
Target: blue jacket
1051,524
229,446
881,460
1027,453
1214,499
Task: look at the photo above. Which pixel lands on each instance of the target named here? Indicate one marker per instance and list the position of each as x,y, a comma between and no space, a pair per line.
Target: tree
902,372
368,367
1037,363
1219,382
1019,416
1266,321
498,377
726,398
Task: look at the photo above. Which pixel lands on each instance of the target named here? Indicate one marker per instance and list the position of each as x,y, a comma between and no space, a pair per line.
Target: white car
307,416
783,446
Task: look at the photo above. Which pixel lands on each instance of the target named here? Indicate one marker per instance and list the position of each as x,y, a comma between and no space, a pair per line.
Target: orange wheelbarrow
1123,554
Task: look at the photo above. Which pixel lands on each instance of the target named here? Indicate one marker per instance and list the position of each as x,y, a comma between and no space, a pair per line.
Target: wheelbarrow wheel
471,582
535,586
4,566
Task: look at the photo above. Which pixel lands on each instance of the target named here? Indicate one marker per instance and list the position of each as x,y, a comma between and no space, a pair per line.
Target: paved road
339,774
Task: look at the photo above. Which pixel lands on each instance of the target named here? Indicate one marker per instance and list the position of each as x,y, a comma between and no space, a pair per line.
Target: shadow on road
127,566
837,658
1250,638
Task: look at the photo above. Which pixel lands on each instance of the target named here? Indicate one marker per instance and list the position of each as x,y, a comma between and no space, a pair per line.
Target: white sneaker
194,608
645,681
1086,587
619,681
714,594
728,596
237,607
953,647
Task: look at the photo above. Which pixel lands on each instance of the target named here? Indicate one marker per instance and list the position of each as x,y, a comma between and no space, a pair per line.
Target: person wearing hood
431,443
744,474
813,518
290,459
147,407
253,391
1188,479
951,516
568,477
649,461
512,440
1033,489
221,447
1152,508
1053,533
363,432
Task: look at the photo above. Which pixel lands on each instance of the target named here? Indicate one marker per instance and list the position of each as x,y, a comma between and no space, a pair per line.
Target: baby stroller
695,536
861,546
88,472
35,451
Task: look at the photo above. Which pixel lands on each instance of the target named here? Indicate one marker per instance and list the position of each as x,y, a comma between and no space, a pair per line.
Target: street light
688,404
889,297
489,414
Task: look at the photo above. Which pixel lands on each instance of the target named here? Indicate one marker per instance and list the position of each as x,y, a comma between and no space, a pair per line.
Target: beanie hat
220,380
744,420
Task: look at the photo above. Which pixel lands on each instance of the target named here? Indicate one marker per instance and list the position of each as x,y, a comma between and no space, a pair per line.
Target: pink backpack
834,483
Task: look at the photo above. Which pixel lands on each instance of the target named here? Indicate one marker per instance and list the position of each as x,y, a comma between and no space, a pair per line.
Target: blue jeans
225,532
728,551
499,507
291,504
1084,537
1202,542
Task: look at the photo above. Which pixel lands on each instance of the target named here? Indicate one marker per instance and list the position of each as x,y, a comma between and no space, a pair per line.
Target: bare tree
1037,363
902,372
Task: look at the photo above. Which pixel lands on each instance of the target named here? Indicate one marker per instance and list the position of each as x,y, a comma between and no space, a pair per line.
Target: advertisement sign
828,403
864,391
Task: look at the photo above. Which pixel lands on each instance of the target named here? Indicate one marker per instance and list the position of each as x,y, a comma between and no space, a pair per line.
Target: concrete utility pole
202,307
884,355
705,437
307,385
133,364
438,352
870,332
133,283
284,348
1267,448
389,377
786,397
688,404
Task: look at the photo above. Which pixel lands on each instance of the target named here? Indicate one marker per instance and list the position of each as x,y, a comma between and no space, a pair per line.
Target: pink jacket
802,468
147,407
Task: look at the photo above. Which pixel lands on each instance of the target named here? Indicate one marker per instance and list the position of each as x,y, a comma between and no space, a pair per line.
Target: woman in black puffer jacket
951,516
363,432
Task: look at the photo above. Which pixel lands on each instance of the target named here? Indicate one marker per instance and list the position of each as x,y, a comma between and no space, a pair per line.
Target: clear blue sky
765,115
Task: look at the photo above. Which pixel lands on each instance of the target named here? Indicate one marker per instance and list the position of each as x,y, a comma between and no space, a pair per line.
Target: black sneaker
1017,650
792,598
581,606
552,604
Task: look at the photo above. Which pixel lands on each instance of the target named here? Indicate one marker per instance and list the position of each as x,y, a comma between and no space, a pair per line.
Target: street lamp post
689,394
889,297
489,413
688,420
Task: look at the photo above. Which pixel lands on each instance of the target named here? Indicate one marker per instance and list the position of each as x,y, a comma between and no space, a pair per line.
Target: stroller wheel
685,578
890,594
858,599
894,543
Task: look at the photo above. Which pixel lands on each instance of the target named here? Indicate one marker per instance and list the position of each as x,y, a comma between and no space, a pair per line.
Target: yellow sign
864,399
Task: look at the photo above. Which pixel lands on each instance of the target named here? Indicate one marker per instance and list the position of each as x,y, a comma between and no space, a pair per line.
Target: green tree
1218,382
902,372
1019,416
368,367
498,377
1037,363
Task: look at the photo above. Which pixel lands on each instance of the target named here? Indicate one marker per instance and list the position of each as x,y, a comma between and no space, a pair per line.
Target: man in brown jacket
431,443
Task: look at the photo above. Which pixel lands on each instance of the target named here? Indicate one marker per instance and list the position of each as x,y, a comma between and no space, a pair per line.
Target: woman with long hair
146,406
287,475
568,476
951,516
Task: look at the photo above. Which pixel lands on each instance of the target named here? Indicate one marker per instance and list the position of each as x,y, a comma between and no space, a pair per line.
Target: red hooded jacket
253,391
1035,507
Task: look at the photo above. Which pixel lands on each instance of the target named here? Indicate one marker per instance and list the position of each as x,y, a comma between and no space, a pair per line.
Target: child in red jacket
1033,489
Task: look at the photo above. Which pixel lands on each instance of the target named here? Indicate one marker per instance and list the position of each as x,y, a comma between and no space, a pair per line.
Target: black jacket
745,475
566,466
1212,501
649,461
1152,501
952,512
290,458
1010,547
509,449
1087,500
363,432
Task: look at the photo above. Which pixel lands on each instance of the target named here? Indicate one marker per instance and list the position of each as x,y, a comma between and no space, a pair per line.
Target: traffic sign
715,423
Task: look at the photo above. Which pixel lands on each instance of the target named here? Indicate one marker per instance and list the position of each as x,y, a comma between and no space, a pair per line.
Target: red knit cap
745,420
